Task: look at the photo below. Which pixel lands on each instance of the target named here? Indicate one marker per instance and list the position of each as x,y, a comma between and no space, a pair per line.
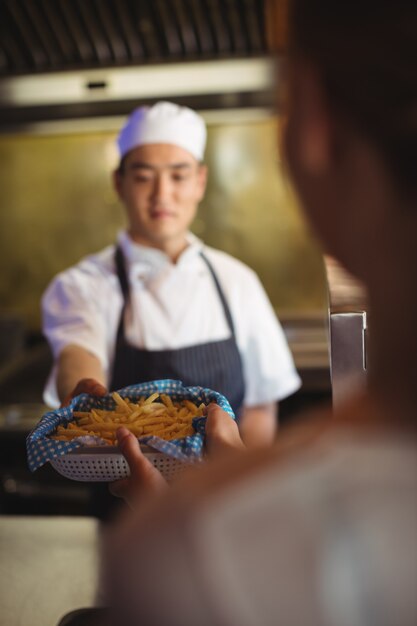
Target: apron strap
223,300
121,274
124,286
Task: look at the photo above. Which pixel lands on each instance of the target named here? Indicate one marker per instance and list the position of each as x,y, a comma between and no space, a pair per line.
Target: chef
159,303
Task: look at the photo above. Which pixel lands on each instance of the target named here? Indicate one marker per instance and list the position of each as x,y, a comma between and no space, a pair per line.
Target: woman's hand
144,477
85,385
222,437
222,433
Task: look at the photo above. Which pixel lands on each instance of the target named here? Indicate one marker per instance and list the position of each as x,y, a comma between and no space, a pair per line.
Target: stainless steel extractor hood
76,58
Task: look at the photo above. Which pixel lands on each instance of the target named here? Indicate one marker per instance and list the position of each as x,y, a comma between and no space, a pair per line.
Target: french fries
157,415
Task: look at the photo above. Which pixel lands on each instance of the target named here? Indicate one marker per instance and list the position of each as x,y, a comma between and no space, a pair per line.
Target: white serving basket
106,464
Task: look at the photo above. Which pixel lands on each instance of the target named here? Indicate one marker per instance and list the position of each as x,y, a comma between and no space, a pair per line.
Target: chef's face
160,186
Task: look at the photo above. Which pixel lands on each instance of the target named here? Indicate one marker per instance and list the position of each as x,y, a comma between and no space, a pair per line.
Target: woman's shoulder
314,500
318,440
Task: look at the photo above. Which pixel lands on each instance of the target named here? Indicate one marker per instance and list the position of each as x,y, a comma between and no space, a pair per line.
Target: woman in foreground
322,528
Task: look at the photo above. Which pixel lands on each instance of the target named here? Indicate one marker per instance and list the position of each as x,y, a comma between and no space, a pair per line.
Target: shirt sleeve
268,365
71,314
327,537
213,564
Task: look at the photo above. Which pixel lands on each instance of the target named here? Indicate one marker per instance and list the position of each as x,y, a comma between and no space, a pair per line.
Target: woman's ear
309,125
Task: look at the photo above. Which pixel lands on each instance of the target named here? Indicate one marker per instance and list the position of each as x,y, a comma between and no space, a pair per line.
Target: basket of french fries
167,418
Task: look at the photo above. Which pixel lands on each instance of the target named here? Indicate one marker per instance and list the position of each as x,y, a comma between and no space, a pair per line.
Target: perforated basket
106,464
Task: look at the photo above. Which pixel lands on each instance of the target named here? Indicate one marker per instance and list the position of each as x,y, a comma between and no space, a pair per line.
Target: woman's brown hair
366,54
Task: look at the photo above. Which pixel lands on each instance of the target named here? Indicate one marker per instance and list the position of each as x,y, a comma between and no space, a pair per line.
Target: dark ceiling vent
39,36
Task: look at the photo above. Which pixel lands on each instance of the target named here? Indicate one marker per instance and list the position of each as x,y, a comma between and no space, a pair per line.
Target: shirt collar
152,259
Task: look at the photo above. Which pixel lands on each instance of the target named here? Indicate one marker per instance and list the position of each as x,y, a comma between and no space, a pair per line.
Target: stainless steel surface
347,294
347,354
47,35
89,58
48,566
225,76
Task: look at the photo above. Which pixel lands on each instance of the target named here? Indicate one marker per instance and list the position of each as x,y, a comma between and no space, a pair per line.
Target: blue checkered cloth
40,448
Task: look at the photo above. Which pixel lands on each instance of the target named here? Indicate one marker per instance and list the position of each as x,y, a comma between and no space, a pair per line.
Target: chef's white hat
164,122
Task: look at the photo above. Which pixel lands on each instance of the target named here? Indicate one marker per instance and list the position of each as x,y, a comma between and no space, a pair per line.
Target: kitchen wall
57,204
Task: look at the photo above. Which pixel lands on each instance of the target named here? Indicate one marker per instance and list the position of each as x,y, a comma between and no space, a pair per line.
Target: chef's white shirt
173,306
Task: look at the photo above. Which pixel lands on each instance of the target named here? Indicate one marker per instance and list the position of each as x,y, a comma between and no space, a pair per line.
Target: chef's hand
222,433
144,478
85,385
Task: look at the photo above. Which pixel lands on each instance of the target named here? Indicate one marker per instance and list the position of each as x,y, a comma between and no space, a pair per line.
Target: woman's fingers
139,465
222,432
144,477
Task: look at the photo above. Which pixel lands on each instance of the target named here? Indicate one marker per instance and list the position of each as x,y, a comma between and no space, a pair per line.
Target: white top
174,306
327,539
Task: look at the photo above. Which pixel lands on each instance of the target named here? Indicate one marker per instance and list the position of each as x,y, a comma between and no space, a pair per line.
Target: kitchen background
70,71
58,204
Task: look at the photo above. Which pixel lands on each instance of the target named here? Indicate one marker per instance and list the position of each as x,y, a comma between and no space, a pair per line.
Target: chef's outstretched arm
258,425
79,371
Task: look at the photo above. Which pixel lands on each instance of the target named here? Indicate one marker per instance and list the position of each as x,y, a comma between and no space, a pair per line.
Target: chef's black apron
216,365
